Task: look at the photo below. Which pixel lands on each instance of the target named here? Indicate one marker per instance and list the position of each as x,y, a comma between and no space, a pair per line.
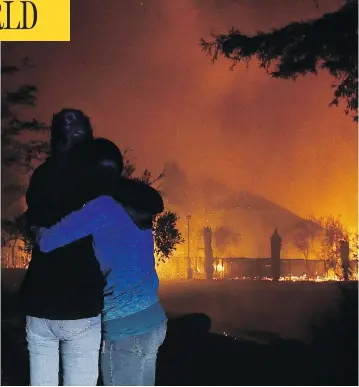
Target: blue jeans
79,342
131,361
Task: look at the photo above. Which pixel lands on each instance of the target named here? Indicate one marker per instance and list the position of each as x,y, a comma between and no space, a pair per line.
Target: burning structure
230,235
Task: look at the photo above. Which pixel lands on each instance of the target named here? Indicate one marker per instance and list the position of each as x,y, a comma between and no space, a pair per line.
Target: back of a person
62,291
67,283
134,321
126,253
60,286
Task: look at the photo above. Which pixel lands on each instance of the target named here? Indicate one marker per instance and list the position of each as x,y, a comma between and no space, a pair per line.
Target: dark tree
22,146
333,232
129,170
166,233
302,236
328,43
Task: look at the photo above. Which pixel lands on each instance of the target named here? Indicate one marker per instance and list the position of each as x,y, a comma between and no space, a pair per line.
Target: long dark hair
64,123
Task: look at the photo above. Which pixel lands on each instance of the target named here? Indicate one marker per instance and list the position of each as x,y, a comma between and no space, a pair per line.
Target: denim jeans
79,343
131,361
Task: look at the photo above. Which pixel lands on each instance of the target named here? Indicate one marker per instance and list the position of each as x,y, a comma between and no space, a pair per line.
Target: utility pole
189,263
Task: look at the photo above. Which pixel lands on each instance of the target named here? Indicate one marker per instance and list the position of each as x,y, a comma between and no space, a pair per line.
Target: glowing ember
293,278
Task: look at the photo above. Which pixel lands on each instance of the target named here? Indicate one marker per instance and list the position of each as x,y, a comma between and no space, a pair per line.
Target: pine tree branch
328,43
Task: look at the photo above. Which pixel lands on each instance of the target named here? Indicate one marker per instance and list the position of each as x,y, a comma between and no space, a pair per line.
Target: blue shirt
125,253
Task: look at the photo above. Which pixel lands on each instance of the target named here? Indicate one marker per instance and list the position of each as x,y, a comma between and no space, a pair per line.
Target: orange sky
139,72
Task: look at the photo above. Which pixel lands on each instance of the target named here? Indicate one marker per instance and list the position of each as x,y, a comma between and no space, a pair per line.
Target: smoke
175,187
140,74
223,238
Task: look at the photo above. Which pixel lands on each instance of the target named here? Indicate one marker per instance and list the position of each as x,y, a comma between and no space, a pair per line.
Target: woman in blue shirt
134,322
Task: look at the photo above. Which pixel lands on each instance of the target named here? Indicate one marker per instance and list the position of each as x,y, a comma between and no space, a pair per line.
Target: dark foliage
328,43
15,152
20,148
16,230
166,235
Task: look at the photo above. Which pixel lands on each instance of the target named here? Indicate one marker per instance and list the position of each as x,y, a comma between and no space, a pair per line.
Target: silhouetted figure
133,320
66,285
208,253
344,254
276,245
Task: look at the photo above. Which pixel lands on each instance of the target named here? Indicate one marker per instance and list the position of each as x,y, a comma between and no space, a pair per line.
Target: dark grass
193,356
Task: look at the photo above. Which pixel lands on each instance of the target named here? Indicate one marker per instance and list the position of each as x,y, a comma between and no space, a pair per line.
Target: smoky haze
137,69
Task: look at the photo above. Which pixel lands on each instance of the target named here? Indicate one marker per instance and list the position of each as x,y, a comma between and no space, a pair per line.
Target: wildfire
330,276
176,269
219,267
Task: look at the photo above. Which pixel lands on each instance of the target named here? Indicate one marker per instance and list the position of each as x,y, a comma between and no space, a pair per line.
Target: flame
176,268
329,277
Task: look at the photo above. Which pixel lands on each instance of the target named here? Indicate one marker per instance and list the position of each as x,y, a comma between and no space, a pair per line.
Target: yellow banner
35,20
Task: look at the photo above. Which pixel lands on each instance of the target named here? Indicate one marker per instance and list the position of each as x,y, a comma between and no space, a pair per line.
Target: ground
248,308
287,334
